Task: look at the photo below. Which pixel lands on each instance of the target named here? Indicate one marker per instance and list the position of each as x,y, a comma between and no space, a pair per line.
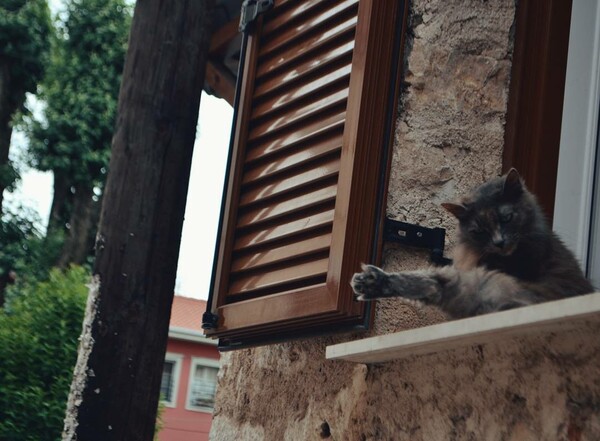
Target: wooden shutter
307,168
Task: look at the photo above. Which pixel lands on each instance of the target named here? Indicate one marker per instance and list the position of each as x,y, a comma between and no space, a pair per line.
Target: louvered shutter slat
310,175
288,207
280,279
295,94
329,123
284,230
335,54
306,48
288,119
292,14
291,34
294,159
297,248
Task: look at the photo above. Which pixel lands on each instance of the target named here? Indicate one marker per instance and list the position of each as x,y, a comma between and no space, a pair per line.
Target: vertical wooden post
115,390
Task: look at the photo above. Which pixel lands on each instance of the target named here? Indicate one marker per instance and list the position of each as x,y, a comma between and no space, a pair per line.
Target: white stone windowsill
545,317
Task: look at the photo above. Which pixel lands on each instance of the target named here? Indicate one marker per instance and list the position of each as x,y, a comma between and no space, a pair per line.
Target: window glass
170,379
203,385
166,385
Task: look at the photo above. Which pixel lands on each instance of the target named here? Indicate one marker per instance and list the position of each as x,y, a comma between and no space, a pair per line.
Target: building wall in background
179,423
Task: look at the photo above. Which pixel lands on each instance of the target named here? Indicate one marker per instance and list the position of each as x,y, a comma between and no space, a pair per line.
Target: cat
506,257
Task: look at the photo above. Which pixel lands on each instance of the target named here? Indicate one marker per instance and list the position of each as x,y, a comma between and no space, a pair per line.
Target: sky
203,201
204,197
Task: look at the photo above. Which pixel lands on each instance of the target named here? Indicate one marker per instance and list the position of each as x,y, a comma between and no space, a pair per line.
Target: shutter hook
250,11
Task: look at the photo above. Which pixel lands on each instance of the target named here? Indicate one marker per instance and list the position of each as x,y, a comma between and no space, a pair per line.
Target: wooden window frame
535,103
217,77
359,206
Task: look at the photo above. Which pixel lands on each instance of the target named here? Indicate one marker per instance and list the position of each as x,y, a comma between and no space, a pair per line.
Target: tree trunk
10,101
60,201
5,279
5,135
115,390
8,106
83,223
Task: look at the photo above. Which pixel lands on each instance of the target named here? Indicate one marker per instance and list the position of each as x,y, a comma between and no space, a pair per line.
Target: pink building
189,375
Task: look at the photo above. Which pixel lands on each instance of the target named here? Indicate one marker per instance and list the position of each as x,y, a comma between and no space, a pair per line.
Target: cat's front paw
370,284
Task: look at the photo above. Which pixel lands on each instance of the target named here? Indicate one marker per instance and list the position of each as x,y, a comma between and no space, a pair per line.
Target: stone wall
535,389
448,139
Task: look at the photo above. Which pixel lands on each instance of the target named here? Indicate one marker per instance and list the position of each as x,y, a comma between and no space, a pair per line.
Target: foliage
9,176
15,231
25,29
73,136
81,91
160,423
39,332
23,249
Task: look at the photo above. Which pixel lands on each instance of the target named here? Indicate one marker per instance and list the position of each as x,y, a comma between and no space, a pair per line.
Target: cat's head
497,215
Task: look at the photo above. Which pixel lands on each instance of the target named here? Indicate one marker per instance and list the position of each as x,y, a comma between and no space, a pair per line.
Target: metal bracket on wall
251,10
418,236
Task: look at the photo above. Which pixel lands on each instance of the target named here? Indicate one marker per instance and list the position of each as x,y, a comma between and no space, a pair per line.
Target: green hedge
39,330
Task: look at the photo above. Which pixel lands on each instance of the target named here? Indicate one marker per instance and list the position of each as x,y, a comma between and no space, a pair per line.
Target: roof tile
187,313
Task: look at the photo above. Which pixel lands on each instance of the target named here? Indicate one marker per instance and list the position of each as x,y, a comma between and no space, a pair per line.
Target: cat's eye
505,218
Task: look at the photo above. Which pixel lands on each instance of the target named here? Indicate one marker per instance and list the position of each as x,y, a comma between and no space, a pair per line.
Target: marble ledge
542,318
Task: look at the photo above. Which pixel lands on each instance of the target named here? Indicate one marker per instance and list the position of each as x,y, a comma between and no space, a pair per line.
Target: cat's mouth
506,250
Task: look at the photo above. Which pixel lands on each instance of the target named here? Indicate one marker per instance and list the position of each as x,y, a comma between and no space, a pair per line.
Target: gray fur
508,258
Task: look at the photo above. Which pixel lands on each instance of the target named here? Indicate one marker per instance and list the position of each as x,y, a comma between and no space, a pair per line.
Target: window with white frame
170,379
577,207
202,385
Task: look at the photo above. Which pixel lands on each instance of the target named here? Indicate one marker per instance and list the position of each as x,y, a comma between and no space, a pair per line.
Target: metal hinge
251,10
418,236
209,320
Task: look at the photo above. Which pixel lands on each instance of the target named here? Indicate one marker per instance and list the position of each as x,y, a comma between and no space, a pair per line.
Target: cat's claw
369,284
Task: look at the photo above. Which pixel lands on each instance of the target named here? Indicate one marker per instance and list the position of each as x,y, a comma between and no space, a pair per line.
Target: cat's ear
458,210
513,185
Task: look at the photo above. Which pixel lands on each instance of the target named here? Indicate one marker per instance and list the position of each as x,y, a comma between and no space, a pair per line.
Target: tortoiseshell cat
506,257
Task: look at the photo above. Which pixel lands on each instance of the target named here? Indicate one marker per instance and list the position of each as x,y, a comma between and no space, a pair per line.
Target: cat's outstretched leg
459,293
374,283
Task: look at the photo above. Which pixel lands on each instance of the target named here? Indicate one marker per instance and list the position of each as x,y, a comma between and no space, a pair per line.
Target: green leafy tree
25,29
15,232
39,330
74,136
24,253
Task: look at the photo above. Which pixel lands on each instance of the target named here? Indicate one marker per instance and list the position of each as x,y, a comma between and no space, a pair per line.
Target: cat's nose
499,243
